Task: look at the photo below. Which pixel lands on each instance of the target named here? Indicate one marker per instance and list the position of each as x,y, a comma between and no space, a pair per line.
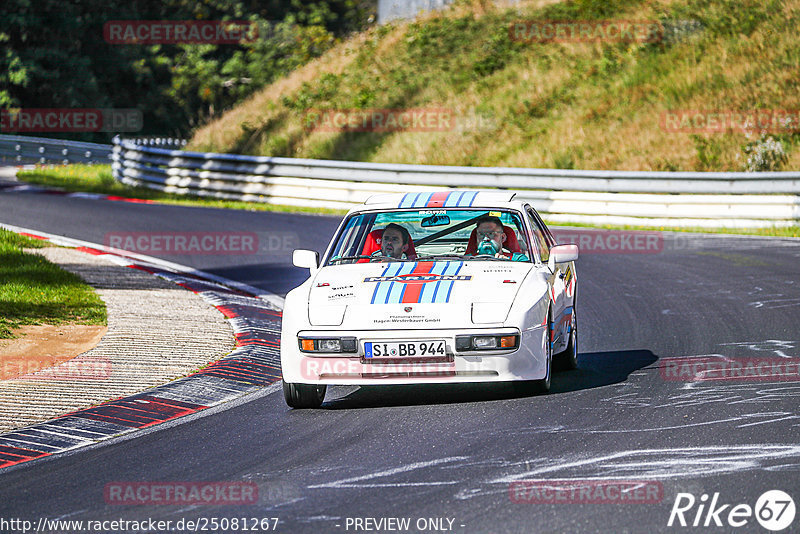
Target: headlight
331,344
484,342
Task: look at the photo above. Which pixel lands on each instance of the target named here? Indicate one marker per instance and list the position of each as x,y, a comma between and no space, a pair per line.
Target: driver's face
490,230
392,243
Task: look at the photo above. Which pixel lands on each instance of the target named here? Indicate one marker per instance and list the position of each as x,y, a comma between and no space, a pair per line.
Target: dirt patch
43,346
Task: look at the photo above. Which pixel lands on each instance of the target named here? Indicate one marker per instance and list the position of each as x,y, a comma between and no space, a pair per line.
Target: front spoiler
528,362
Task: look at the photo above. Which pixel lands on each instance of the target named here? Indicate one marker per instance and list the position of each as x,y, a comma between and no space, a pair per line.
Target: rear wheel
568,359
304,395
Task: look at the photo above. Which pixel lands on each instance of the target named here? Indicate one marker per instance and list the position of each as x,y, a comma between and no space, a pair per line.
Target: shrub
766,154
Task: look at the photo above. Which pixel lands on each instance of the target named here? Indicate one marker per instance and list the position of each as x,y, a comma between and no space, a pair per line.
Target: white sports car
442,287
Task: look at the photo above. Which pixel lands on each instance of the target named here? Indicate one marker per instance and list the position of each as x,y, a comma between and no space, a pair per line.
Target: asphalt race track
446,457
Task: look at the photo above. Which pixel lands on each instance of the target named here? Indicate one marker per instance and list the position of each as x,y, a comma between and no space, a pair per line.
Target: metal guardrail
163,142
21,150
709,199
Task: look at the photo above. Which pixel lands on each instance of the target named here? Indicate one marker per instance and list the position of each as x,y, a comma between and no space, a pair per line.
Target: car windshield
431,235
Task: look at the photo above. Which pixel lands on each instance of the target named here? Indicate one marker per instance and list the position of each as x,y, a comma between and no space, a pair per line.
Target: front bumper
526,362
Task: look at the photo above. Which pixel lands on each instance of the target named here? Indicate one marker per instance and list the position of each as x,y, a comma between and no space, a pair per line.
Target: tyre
568,359
304,395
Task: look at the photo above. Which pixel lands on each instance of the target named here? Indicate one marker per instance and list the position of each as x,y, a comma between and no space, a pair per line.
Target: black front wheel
304,395
568,359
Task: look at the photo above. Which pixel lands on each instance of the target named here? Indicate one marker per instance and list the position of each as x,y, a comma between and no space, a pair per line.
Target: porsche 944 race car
442,287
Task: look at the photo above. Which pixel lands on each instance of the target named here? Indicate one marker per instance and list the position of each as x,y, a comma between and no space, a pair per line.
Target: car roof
448,198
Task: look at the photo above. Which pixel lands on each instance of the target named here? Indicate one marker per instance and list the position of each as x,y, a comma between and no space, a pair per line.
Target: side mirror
562,254
307,259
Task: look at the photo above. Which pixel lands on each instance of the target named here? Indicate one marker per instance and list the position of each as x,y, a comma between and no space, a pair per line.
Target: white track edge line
272,298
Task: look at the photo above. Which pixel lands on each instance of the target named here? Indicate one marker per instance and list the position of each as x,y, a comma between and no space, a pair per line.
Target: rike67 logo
774,510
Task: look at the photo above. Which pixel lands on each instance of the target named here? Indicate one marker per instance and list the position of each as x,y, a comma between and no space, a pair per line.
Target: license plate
375,350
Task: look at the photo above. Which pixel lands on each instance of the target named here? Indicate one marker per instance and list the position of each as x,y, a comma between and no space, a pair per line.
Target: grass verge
772,231
565,104
35,291
79,178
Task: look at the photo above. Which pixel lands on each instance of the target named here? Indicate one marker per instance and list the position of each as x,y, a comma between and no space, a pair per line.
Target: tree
55,56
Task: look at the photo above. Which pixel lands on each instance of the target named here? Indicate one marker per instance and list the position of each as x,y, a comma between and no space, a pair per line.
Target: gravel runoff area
157,331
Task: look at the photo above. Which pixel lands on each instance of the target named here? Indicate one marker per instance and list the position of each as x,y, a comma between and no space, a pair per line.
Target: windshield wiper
343,258
486,257
440,256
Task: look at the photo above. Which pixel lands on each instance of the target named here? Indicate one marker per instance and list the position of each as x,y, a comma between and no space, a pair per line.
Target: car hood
415,294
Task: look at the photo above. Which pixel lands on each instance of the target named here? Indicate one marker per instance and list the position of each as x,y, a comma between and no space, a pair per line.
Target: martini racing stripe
460,199
454,199
412,290
387,291
423,291
428,292
407,200
414,200
396,288
381,292
437,200
442,289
